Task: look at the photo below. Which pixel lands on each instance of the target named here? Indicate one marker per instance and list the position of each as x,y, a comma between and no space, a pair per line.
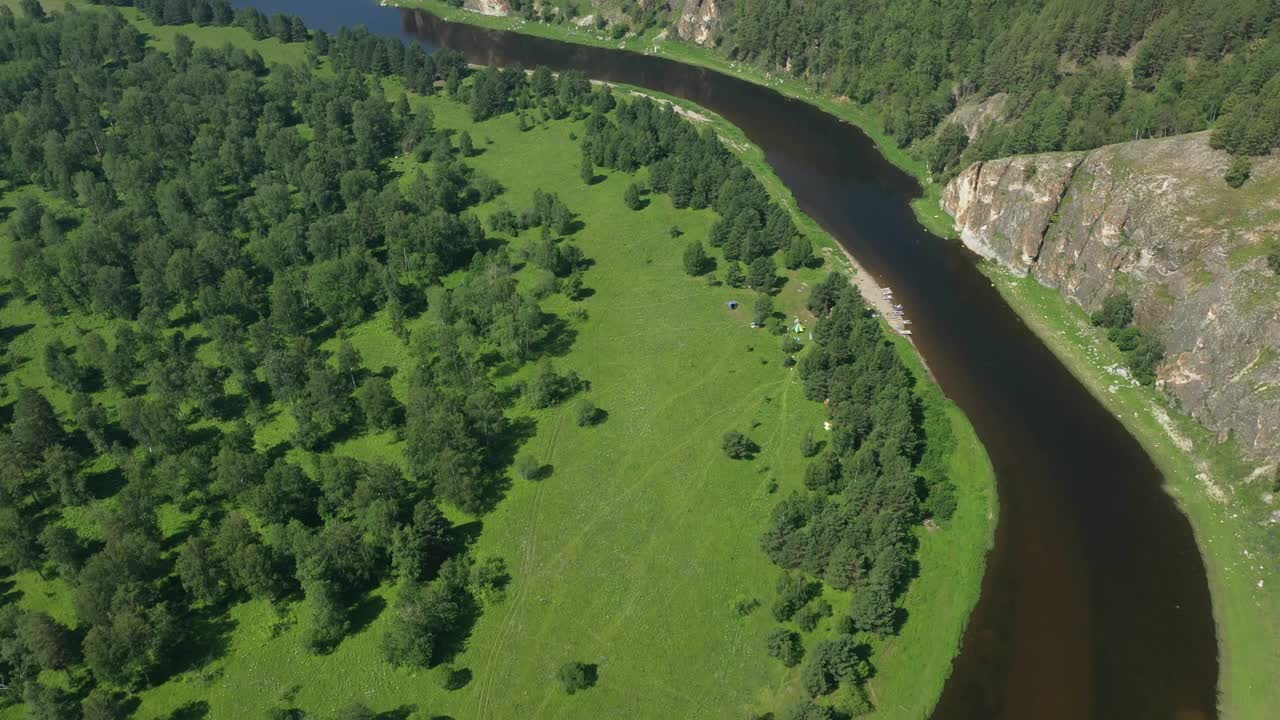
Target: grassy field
635,549
1240,547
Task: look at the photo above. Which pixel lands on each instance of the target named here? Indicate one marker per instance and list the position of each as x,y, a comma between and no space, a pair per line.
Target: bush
548,388
809,710
810,445
575,676
834,661
447,677
696,261
528,467
587,413
793,592
489,579
1116,312
733,276
785,645
1145,356
810,615
631,196
940,504
1238,172
356,711
744,606
738,446
800,253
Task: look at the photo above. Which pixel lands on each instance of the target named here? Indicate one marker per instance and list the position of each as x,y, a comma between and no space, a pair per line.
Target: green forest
1081,74
292,349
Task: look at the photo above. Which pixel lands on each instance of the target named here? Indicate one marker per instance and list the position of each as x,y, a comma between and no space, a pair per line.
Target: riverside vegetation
366,364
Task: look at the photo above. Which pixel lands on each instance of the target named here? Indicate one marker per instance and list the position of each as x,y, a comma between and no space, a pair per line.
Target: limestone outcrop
1154,219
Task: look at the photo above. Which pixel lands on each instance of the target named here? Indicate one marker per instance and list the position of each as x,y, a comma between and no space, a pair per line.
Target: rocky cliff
1154,219
489,7
698,20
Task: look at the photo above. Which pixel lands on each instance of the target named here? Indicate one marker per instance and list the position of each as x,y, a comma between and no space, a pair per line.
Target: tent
733,304
796,327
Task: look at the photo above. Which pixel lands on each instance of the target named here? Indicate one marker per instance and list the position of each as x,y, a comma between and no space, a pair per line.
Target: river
1095,602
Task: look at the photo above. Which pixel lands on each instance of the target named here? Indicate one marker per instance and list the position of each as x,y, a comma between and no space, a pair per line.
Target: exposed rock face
975,116
698,21
489,7
1152,218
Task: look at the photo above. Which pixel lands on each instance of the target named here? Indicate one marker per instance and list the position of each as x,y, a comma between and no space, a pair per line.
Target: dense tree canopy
1081,74
220,222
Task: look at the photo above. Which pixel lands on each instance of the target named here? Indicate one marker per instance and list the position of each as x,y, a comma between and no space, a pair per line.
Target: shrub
800,253
489,580
1238,172
528,467
940,504
631,196
810,446
810,615
738,446
447,677
696,261
575,676
356,711
785,645
587,413
809,710
744,606
1116,312
793,592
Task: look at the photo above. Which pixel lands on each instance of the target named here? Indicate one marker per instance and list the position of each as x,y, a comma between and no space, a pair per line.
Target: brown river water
1095,602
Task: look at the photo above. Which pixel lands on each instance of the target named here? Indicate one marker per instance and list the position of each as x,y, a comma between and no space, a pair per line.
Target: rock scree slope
1154,219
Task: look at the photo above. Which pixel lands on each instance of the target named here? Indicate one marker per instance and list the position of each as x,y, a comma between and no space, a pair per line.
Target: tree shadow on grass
454,640
194,710
404,712
8,593
105,483
10,333
558,340
207,639
365,612
517,432
231,406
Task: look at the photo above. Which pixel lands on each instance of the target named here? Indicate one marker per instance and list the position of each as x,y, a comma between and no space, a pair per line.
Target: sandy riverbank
873,293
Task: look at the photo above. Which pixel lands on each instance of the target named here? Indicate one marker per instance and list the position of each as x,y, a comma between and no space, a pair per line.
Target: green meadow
639,545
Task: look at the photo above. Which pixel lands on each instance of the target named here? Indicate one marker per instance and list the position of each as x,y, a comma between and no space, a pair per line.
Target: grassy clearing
1221,495
634,551
927,207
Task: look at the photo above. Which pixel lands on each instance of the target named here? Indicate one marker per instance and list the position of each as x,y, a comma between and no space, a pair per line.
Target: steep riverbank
1236,538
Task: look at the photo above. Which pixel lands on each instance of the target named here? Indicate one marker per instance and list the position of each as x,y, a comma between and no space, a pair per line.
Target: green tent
796,327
